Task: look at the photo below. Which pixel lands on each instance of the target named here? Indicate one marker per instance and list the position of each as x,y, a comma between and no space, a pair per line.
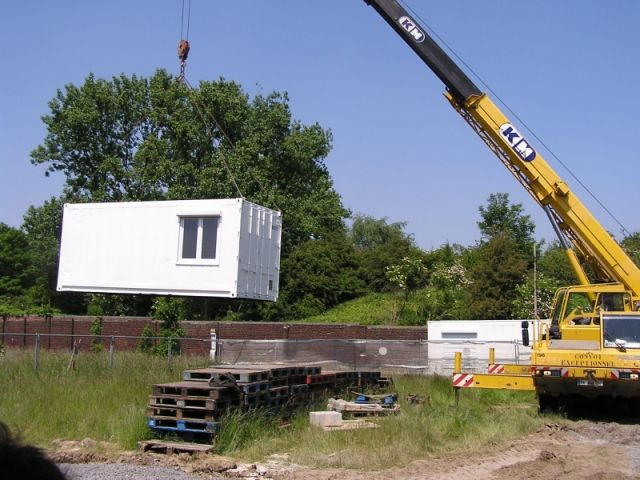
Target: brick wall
133,326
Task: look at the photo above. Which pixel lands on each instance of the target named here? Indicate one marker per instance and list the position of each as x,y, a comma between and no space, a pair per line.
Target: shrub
96,332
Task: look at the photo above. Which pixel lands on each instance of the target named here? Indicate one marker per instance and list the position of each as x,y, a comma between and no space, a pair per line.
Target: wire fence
421,357
75,343
393,356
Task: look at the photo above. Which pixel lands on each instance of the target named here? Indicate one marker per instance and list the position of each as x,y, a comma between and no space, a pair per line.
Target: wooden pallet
300,389
256,399
194,402
278,382
183,426
254,387
193,389
162,446
321,379
166,413
243,375
279,392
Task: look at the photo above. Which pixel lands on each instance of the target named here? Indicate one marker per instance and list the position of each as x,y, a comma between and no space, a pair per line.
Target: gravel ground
121,471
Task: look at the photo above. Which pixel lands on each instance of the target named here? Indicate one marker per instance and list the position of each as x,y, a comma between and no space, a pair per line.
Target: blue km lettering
406,23
510,134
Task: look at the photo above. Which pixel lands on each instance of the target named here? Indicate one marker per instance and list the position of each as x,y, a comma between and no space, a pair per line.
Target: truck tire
548,403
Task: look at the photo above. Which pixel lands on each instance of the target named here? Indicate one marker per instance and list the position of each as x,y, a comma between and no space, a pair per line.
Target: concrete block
325,419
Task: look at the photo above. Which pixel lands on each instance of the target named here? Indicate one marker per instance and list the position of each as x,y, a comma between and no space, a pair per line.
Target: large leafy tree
378,245
132,138
500,262
500,268
319,274
500,217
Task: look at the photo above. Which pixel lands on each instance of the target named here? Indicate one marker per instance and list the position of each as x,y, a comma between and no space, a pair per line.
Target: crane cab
577,310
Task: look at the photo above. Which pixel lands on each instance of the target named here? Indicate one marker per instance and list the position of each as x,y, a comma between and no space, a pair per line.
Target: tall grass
109,405
437,426
90,401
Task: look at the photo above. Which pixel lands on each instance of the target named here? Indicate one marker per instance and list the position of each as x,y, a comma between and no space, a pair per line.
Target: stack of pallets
196,405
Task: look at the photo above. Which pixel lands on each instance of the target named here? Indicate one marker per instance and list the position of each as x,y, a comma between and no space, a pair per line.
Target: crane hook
183,53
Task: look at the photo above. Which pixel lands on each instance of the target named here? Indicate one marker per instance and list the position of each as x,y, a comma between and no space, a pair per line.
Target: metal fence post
111,354
36,352
170,354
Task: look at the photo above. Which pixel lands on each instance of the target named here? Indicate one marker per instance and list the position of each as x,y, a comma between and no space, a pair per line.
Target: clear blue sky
569,68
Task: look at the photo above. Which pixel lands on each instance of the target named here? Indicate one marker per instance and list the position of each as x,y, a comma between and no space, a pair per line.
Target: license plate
590,383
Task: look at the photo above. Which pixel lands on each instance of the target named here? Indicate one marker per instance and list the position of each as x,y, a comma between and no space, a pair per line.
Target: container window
199,238
189,237
209,237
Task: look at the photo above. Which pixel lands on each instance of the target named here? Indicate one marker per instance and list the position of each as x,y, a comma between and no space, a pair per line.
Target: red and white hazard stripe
615,373
462,380
496,368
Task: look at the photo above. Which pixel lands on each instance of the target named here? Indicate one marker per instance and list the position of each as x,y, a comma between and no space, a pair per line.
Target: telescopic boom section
566,212
457,82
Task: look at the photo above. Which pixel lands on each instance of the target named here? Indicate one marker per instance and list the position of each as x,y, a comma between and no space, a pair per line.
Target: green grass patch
419,431
90,401
374,309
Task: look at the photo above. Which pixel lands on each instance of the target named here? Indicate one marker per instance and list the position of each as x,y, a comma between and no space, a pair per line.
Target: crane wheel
548,403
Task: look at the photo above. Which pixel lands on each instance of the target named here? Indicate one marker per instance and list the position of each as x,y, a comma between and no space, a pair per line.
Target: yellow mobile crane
591,347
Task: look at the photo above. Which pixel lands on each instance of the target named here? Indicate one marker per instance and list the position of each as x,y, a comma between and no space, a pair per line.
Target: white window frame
198,260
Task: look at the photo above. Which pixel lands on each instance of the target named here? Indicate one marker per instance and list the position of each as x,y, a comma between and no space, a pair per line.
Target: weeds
90,401
435,427
105,405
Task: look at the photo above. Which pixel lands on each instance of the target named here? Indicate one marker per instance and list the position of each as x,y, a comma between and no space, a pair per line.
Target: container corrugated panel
260,236
216,248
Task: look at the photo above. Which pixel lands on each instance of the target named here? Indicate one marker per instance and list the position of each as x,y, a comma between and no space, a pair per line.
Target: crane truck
591,345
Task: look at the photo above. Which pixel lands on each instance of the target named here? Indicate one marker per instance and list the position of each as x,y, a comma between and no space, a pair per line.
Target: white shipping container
214,248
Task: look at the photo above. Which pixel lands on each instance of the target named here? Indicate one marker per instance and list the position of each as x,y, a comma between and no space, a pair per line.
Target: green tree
631,245
320,274
378,245
554,265
500,268
500,216
16,271
43,228
522,305
447,295
407,275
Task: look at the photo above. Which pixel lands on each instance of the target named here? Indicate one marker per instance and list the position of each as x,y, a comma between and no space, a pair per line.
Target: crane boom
573,222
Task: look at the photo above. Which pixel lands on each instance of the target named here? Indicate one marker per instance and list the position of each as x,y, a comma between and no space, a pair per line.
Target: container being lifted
215,248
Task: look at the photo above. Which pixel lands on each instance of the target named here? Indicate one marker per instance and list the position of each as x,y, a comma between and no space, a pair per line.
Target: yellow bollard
457,368
492,356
